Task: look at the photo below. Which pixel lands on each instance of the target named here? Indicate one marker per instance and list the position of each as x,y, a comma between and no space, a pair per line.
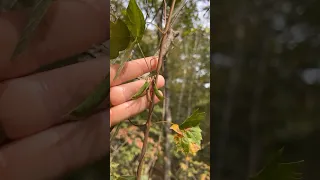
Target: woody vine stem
164,47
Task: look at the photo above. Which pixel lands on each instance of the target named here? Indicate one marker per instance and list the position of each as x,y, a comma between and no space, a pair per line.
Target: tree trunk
255,142
166,113
234,79
181,95
255,145
167,117
187,69
189,109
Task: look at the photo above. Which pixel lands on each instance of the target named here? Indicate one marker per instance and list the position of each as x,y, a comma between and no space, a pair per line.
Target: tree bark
167,132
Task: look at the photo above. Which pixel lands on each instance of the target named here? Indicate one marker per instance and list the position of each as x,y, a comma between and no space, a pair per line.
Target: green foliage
113,168
194,169
128,30
276,170
87,107
39,9
127,146
193,120
135,20
188,138
119,37
121,177
135,25
127,178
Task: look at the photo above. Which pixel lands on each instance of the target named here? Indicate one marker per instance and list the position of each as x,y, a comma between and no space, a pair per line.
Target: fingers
42,99
68,28
122,93
57,150
129,109
133,69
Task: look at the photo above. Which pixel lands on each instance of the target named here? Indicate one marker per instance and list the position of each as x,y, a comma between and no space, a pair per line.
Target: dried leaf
194,148
175,128
188,137
189,141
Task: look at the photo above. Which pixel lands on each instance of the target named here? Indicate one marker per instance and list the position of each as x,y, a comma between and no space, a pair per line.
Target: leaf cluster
128,30
188,137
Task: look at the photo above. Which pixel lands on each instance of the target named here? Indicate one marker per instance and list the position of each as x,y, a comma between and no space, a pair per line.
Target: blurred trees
265,79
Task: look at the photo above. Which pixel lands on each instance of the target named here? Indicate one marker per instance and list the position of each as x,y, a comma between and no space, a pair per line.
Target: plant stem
164,47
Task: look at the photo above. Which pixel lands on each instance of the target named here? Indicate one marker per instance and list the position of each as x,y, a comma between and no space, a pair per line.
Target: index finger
67,29
133,69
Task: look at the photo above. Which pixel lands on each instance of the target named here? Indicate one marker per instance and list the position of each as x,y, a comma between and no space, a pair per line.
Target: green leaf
126,57
135,20
39,9
193,120
276,170
188,137
87,107
189,140
119,38
194,134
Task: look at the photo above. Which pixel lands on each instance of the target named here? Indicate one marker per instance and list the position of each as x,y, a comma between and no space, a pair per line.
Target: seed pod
157,92
141,90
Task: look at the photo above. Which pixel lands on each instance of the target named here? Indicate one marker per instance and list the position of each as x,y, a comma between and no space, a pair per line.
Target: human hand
41,144
121,94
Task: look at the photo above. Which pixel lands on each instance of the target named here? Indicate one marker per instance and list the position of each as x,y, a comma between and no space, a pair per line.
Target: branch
166,40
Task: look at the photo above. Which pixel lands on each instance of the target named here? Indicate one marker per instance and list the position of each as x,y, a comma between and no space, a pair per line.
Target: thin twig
117,150
115,133
138,125
162,52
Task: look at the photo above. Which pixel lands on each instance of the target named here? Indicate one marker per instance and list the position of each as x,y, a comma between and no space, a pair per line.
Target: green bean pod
157,92
141,90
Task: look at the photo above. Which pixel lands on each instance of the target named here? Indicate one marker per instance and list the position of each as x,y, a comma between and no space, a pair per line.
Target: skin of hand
120,95
42,145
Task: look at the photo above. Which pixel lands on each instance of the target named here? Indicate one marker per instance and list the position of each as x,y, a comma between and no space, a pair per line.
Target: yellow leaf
175,128
194,148
183,166
204,177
